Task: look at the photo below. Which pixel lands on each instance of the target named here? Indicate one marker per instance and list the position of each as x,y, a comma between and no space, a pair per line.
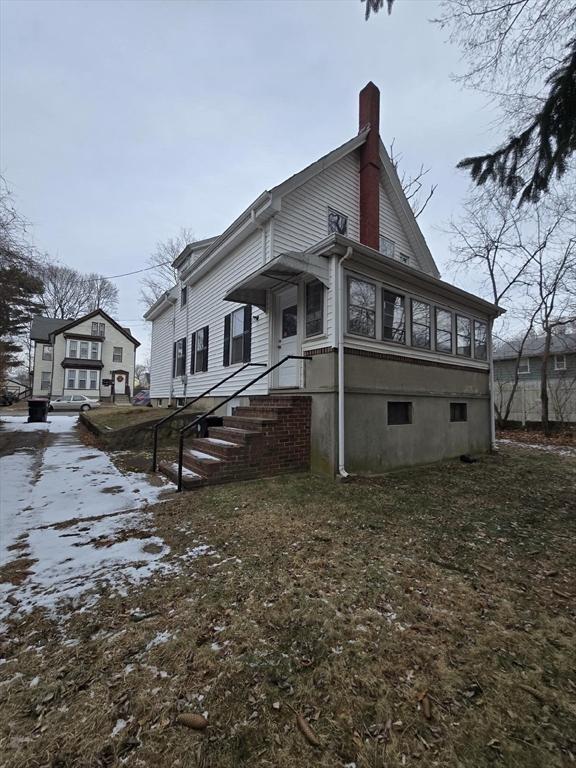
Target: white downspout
492,410
340,304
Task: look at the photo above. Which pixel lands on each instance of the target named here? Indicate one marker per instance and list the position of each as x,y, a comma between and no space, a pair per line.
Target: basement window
399,413
458,412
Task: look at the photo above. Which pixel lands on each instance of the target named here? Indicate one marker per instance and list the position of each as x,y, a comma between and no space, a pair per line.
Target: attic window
403,258
337,222
387,247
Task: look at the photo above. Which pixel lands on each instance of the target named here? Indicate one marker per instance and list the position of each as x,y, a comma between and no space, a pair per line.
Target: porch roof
285,268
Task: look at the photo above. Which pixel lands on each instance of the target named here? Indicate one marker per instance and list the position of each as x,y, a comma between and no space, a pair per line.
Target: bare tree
413,186
68,294
163,276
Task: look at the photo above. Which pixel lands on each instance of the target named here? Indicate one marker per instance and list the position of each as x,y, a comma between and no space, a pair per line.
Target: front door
120,382
286,339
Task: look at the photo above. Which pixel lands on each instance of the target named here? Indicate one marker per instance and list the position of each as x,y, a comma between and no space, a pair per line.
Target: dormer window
387,247
337,222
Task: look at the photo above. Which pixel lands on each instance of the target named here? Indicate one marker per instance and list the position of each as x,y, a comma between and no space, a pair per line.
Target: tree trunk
544,382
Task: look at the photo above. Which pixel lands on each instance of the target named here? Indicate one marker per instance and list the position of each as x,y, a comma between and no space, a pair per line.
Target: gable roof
270,201
42,327
66,325
561,344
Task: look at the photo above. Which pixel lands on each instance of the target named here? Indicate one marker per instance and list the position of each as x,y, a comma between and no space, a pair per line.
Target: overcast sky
124,121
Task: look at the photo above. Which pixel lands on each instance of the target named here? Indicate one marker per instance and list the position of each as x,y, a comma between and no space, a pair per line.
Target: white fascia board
167,300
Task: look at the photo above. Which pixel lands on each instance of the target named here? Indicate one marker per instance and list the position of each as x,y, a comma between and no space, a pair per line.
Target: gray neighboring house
526,405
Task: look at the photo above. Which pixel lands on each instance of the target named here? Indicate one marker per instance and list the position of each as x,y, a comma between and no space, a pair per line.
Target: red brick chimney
370,167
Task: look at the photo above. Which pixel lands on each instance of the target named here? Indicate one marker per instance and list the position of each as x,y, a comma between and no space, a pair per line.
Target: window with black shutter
238,336
199,351
179,367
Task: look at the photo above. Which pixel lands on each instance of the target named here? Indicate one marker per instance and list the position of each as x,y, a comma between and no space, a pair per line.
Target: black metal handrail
202,416
172,414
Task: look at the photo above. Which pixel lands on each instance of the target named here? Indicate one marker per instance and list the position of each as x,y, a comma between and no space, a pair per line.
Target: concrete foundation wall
372,445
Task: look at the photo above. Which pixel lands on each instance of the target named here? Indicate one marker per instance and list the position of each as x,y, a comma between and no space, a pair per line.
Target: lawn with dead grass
422,619
113,417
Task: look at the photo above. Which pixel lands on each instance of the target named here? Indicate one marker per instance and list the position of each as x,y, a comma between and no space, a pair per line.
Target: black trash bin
38,409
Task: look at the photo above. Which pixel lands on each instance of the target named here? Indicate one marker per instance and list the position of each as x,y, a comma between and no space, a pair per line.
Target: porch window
71,379
98,329
93,379
443,330
361,307
72,348
480,340
394,317
399,413
238,336
314,308
83,350
199,351
46,352
45,380
179,361
463,336
420,324
117,354
94,350
82,378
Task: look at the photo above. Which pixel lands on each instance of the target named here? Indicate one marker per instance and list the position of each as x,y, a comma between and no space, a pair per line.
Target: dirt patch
111,489
16,571
34,440
536,437
424,618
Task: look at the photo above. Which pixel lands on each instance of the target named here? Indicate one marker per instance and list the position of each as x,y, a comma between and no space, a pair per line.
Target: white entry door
286,330
120,383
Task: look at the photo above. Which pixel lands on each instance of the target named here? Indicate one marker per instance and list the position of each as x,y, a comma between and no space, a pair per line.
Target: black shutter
192,352
183,364
247,345
174,360
205,353
226,356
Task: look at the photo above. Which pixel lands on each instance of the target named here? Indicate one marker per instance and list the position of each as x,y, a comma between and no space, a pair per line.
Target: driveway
70,520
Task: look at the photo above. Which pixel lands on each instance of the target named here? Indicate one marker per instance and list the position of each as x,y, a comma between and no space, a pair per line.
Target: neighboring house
526,404
92,356
15,388
331,265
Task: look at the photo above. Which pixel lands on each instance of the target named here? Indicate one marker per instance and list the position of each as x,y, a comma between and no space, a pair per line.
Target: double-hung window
524,365
314,308
463,336
94,350
84,350
179,363
199,351
238,336
98,329
70,379
361,307
93,379
47,352
420,324
117,354
443,330
393,317
72,348
82,378
480,340
559,362
45,380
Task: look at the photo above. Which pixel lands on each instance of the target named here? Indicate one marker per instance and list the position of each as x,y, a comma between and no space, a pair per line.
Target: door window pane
394,317
420,324
289,321
443,330
361,308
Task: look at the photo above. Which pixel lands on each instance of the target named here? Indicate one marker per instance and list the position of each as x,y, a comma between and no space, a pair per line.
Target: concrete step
190,479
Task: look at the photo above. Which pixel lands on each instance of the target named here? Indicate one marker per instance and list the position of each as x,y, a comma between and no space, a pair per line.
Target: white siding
303,219
40,366
392,228
161,354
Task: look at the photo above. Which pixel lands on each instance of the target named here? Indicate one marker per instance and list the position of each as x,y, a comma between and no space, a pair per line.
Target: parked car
142,398
73,403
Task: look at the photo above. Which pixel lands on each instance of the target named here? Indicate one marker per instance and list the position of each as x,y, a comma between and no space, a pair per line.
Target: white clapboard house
330,265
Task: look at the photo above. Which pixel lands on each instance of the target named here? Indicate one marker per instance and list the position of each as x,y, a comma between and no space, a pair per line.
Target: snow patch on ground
558,450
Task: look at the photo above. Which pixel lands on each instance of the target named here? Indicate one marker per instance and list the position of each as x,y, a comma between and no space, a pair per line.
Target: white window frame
70,376
86,346
73,343
115,359
93,378
45,380
47,352
98,329
83,378
524,361
334,215
387,247
556,360
235,358
307,286
94,350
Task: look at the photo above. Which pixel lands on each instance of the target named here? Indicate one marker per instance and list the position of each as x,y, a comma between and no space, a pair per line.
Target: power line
125,274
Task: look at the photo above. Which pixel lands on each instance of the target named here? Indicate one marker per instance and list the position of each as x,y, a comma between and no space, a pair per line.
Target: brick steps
270,436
